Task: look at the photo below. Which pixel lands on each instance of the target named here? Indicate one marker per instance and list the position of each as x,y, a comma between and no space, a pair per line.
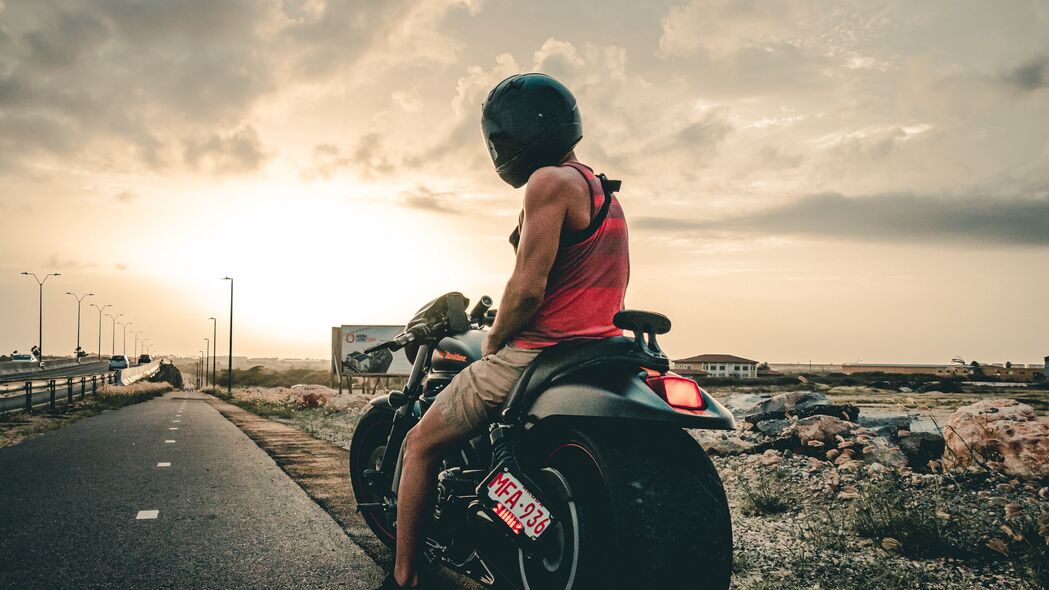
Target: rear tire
647,511
366,450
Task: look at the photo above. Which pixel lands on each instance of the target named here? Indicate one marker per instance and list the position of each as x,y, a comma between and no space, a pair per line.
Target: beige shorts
475,395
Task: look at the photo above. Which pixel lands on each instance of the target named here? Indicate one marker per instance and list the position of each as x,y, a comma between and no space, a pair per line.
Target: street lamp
215,349
229,387
113,335
123,339
134,351
207,353
200,369
100,310
40,340
78,298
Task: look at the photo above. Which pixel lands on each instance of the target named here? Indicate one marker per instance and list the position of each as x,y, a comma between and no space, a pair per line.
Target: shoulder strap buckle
609,186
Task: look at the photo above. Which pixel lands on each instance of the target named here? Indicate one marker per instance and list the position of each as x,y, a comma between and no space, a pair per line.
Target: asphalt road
87,367
74,502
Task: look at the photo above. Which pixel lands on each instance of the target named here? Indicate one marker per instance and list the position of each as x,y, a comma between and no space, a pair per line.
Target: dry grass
765,495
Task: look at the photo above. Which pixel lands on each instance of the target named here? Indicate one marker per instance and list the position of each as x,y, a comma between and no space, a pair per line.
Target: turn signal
684,395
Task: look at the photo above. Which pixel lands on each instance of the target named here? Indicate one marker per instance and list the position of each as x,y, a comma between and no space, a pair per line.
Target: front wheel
366,451
638,508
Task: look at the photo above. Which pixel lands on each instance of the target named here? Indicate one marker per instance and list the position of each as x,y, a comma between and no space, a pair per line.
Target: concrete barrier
137,373
12,368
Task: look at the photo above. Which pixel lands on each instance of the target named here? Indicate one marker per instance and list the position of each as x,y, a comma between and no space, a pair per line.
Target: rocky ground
834,492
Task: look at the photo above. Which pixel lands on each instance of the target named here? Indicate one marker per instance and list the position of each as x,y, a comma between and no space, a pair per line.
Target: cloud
1029,76
426,199
126,197
235,153
896,217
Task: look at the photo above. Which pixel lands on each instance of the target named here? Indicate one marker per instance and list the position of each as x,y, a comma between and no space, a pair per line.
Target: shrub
766,495
886,510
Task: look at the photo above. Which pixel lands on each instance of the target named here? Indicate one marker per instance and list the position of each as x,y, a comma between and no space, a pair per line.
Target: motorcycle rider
570,277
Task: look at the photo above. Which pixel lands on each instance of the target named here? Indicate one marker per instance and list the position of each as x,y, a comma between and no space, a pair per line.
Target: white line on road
169,441
173,428
163,464
147,514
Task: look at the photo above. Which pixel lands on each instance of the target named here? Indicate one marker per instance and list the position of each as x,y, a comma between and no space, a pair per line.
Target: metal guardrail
25,396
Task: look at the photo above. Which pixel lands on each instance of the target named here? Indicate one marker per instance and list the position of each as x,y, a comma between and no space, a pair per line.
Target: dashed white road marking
176,421
147,514
164,464
169,441
173,428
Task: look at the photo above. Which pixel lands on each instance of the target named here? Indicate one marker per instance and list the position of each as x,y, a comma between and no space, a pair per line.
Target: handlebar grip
481,308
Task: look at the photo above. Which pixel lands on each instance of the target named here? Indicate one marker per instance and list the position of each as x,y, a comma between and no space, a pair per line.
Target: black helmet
529,121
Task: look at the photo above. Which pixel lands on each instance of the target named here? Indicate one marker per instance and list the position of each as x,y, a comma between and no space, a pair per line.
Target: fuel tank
455,353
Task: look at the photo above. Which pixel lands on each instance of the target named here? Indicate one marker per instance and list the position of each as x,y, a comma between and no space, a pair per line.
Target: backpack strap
608,188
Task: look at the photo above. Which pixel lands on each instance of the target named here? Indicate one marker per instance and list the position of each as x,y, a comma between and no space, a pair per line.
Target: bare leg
423,449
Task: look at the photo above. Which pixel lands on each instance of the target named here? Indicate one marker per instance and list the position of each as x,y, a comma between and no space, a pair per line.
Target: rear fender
627,398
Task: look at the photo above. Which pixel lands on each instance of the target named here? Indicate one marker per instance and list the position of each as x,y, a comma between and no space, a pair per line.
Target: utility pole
113,334
40,339
78,298
100,310
229,387
214,349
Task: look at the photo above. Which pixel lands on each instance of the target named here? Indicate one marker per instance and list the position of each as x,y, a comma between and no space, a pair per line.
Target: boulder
922,447
800,404
1002,434
726,443
887,426
773,428
821,429
881,451
742,404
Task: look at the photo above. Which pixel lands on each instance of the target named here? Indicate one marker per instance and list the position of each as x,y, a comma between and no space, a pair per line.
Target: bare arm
545,207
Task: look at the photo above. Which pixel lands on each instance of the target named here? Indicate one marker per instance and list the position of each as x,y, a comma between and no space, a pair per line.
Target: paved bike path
74,509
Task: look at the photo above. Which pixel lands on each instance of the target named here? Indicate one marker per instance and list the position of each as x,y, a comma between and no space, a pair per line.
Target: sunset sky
804,180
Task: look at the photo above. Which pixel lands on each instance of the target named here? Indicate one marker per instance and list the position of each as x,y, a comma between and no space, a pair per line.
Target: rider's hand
490,346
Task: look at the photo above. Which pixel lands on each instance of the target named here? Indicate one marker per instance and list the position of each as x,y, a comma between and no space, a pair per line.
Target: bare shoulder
554,184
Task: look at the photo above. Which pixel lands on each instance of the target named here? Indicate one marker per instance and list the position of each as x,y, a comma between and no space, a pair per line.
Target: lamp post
40,340
207,353
134,351
100,310
78,298
200,370
215,349
113,334
229,387
123,339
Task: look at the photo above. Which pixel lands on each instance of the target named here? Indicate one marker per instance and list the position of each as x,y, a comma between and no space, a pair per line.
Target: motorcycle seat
566,358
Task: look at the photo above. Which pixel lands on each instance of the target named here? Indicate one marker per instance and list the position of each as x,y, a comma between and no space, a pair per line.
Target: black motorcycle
585,480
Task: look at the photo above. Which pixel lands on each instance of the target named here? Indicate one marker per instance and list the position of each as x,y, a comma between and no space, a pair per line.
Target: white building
718,365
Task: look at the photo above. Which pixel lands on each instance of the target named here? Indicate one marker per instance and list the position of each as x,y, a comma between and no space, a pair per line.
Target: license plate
516,506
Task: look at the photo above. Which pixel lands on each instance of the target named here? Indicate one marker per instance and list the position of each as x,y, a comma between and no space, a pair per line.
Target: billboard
347,351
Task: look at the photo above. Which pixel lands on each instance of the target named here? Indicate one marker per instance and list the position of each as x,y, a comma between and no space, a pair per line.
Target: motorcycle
586,479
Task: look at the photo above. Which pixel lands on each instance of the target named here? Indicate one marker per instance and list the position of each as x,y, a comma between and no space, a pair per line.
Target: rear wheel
366,452
638,508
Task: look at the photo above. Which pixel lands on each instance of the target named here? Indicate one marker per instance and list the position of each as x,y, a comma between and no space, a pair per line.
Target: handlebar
482,314
477,314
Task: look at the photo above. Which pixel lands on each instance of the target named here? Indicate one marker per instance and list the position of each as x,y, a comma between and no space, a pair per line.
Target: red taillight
684,395
508,517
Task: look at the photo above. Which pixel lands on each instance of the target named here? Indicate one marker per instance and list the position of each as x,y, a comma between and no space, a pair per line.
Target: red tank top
587,283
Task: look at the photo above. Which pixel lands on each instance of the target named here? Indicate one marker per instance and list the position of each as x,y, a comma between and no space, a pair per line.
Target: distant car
118,361
23,358
144,359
